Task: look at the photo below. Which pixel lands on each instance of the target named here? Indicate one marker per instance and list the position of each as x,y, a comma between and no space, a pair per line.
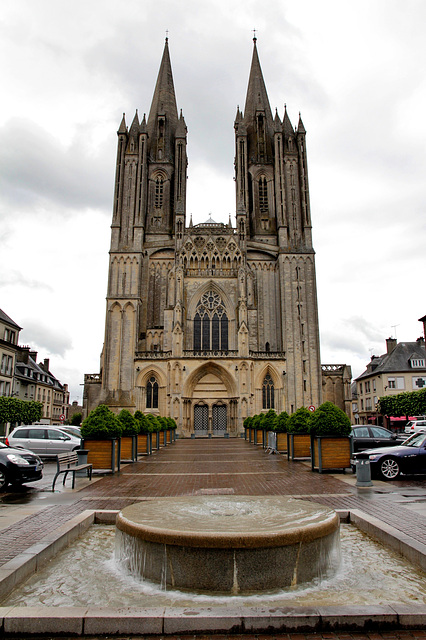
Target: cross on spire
254,35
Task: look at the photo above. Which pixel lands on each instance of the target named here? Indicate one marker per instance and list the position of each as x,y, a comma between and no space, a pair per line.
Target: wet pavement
197,467
210,467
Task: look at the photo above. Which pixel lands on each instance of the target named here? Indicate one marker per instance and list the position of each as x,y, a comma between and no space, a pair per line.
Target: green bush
329,420
172,423
163,422
256,422
101,423
130,426
269,420
281,423
247,422
155,424
299,421
143,423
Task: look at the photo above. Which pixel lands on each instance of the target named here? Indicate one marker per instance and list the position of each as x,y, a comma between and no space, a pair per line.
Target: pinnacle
122,128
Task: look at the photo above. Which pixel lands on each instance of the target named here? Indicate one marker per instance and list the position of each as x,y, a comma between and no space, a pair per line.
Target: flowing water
369,574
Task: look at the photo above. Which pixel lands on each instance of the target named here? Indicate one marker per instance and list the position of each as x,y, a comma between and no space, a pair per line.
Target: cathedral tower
210,323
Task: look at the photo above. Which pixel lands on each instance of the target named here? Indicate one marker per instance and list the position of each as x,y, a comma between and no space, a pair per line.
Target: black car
388,463
18,466
365,436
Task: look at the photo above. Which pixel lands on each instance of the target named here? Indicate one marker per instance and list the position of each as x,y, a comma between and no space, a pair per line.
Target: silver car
43,440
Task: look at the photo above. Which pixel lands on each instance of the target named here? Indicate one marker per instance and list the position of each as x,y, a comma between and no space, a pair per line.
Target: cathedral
210,323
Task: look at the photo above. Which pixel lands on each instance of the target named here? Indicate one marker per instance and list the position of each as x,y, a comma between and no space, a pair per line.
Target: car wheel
3,479
389,469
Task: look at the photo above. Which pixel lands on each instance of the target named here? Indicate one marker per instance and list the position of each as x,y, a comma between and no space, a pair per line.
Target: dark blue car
389,462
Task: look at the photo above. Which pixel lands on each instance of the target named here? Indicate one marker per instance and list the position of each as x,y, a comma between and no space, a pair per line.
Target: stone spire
257,96
164,99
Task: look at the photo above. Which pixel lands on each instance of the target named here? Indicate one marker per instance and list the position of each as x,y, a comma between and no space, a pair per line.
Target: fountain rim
305,533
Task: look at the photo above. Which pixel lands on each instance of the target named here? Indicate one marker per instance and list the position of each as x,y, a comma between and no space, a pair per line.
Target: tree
76,419
407,403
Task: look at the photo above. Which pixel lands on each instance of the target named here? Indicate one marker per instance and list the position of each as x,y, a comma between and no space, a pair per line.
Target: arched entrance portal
212,408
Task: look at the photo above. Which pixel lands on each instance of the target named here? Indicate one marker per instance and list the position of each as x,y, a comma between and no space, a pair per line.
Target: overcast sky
355,71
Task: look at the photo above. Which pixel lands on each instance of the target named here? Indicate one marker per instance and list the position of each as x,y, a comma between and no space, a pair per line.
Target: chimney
390,345
46,365
33,355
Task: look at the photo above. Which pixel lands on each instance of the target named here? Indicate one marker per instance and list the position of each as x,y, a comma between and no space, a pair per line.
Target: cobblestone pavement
209,466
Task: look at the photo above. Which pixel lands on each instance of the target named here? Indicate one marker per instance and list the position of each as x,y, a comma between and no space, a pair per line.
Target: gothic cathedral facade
210,323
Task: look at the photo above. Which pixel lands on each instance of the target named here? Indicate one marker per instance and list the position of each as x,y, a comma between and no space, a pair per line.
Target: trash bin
82,459
363,470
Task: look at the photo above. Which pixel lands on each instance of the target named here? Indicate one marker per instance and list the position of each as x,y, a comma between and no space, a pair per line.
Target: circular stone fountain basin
228,544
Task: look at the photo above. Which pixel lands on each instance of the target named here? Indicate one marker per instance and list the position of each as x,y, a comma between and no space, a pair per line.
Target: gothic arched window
210,324
268,392
159,185
263,195
152,393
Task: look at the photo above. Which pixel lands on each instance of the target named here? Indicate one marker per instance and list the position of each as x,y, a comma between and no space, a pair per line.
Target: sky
355,71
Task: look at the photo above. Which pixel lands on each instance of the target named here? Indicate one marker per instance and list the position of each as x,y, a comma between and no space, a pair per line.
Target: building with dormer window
401,368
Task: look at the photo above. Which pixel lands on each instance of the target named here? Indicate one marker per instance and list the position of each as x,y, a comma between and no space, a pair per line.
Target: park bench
68,463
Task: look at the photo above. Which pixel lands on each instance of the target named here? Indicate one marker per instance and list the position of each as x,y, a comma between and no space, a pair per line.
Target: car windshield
416,440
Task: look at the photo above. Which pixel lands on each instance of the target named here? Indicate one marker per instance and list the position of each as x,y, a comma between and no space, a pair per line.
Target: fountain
228,544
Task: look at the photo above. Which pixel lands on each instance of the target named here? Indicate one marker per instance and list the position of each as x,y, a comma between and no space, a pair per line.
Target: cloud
16,278
38,170
42,338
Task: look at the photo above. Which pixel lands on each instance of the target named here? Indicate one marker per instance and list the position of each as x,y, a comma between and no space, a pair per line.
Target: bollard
363,470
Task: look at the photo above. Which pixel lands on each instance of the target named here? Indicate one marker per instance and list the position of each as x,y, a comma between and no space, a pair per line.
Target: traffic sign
62,418
312,408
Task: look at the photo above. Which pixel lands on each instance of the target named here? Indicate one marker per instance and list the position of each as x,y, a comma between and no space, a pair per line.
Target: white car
415,426
43,440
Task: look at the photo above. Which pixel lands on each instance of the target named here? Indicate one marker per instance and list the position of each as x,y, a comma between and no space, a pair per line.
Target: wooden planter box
282,442
144,445
330,452
156,440
129,448
163,438
259,438
250,434
103,454
298,446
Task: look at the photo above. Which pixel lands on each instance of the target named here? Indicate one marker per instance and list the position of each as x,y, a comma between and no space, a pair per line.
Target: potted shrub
269,420
330,443
164,427
298,437
155,426
247,428
129,436
144,441
280,428
257,427
172,429
101,432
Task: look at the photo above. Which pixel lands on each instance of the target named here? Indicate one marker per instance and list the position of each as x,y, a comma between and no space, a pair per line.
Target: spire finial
254,36
167,35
